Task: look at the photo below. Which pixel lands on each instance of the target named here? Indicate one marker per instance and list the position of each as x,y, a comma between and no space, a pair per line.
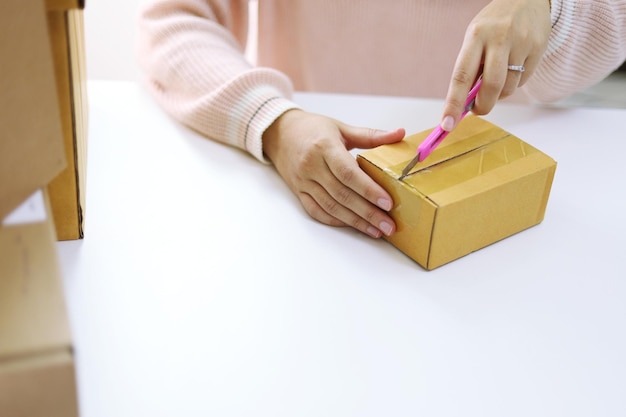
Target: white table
202,288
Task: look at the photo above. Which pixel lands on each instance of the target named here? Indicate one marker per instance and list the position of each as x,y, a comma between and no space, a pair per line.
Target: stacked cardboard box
37,375
31,137
67,190
43,98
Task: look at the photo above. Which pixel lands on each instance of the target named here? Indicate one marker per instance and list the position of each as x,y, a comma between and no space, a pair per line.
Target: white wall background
110,38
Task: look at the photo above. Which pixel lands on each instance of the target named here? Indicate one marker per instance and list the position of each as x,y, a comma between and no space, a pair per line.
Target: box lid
31,141
33,318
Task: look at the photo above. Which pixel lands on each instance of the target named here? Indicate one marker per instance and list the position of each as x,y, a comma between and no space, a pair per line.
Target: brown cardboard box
31,137
37,376
481,185
67,191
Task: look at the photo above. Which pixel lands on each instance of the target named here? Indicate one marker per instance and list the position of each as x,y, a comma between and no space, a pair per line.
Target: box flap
31,141
33,318
471,164
472,133
65,4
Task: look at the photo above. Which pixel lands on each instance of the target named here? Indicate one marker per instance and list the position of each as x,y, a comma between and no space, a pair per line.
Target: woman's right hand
505,32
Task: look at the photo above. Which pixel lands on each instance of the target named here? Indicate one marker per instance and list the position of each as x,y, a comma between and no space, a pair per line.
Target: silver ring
519,68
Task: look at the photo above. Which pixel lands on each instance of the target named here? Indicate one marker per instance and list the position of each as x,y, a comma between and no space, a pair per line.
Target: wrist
273,134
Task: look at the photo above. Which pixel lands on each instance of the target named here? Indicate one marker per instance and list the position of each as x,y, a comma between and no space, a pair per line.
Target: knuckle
370,194
331,206
461,77
345,174
370,216
474,30
371,132
316,212
307,160
359,224
344,195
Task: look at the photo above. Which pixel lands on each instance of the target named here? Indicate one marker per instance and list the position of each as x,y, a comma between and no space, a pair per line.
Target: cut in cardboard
481,185
37,373
67,190
31,136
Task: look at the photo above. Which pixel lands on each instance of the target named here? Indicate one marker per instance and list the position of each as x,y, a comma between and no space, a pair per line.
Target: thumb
367,138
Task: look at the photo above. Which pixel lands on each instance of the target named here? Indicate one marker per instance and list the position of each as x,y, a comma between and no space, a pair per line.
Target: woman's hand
310,152
505,32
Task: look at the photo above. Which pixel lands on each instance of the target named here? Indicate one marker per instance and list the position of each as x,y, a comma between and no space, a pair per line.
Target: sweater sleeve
191,52
587,43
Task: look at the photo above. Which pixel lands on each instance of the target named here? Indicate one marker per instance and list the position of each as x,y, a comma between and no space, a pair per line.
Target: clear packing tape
439,174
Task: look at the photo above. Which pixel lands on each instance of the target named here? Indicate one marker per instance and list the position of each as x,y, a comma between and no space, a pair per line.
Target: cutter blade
407,169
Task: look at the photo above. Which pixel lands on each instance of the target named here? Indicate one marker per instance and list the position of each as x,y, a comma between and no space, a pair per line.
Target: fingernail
447,124
384,204
372,231
386,228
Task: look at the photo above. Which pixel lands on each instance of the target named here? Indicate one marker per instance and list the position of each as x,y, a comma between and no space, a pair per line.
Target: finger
323,206
464,74
316,212
353,188
513,77
339,201
494,78
530,64
348,173
367,138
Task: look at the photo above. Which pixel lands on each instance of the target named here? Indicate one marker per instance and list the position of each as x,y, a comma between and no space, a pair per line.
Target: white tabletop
202,288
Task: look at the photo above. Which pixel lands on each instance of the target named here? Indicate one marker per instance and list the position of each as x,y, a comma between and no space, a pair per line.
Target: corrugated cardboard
37,376
481,185
65,4
67,191
31,137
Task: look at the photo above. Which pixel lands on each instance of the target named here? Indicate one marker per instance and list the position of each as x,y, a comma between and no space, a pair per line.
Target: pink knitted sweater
192,54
